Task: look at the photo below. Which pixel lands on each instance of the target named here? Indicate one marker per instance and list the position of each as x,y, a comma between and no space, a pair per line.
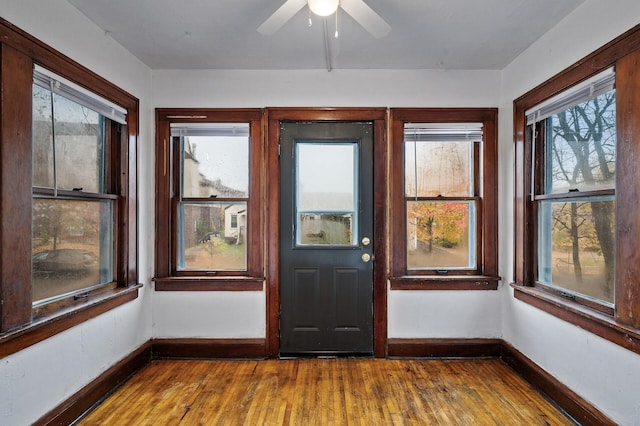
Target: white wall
357,88
411,314
37,379
604,374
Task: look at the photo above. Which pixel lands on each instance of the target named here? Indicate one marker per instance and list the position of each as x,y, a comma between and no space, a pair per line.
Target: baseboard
105,384
444,348
582,411
209,348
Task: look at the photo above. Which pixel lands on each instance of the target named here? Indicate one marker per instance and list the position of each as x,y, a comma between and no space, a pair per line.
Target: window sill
53,323
242,283
450,282
582,316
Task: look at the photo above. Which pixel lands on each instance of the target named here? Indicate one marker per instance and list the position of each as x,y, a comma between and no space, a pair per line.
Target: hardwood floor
336,391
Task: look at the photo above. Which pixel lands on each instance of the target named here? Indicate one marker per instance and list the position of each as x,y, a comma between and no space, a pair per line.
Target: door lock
366,241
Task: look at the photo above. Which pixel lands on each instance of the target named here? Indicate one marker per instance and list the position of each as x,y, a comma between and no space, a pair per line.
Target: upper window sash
217,156
582,92
57,84
462,137
575,155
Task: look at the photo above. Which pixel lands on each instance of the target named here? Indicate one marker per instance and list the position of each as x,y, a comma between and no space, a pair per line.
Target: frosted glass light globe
323,7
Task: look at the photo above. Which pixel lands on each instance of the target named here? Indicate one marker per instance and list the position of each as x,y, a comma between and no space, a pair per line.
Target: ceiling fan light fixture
323,7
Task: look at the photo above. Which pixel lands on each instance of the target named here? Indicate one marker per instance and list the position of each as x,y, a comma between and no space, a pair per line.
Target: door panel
326,211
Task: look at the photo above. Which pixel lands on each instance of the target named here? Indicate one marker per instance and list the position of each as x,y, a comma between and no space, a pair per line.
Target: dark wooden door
326,227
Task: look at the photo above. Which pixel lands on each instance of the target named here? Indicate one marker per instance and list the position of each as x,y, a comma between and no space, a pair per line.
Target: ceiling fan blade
281,16
365,16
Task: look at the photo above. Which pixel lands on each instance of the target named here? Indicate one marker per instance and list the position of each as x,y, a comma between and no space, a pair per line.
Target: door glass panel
326,228
326,193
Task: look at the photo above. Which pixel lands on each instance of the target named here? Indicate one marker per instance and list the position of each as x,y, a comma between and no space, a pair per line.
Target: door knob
366,257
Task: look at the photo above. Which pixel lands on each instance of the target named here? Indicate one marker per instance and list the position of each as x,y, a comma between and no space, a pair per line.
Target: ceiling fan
358,9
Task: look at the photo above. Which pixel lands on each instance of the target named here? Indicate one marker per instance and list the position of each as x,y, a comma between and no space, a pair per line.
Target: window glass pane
439,158
79,158
72,245
326,193
576,246
438,168
580,148
42,138
441,235
334,229
209,238
216,165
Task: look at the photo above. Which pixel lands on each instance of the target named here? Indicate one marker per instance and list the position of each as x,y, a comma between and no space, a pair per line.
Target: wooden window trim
209,284
51,323
622,325
166,276
20,325
486,276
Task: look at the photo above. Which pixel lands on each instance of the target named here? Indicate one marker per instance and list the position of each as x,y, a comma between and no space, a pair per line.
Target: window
213,189
74,201
574,147
576,216
208,203
67,193
444,218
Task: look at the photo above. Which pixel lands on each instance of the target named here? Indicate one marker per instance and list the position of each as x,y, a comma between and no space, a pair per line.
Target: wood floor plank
340,391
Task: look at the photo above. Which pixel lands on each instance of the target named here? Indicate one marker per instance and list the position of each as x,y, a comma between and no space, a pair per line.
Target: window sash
75,264
581,92
449,238
541,163
72,267
174,125
209,242
563,263
444,133
57,84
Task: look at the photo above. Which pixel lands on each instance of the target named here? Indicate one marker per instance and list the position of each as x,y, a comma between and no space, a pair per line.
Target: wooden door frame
379,118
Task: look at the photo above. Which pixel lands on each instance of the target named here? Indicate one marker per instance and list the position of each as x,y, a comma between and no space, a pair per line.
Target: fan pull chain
336,34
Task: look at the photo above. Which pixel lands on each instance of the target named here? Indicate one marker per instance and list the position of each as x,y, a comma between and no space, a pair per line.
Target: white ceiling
425,34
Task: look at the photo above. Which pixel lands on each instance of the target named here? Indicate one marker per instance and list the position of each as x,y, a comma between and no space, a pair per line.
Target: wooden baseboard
209,348
71,409
444,348
574,405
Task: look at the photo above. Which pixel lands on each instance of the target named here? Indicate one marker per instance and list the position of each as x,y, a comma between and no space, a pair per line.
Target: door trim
379,117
